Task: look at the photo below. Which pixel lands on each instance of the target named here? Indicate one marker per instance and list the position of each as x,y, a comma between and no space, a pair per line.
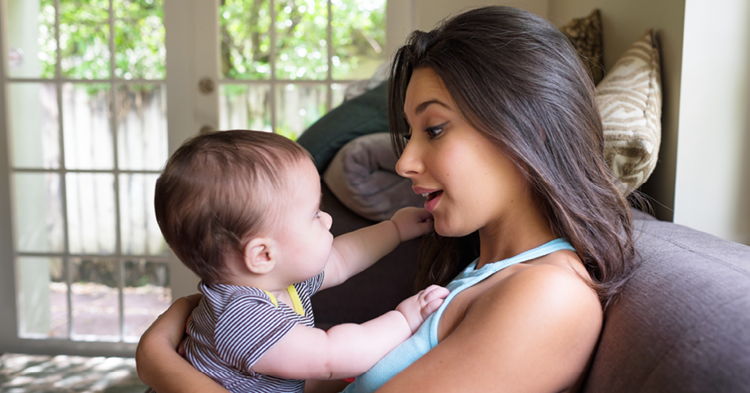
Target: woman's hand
157,361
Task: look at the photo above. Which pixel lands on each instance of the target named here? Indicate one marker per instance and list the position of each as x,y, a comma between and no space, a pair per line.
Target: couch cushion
362,115
682,323
363,177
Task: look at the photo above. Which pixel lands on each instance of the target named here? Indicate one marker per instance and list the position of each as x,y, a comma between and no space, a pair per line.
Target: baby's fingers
431,299
431,307
434,292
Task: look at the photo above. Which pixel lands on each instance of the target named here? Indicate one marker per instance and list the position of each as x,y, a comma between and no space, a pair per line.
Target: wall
429,12
623,22
713,168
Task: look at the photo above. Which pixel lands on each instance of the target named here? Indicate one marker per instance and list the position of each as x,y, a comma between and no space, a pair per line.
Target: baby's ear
260,255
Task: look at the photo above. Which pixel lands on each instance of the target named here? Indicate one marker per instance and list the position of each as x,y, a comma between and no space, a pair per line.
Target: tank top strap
471,276
544,249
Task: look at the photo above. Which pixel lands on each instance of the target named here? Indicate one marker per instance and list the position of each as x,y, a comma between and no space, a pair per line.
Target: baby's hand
412,222
420,306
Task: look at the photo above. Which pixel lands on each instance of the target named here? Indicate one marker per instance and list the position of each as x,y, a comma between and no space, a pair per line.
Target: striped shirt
234,326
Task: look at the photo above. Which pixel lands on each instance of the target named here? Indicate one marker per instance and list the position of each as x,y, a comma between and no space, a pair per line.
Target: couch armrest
682,323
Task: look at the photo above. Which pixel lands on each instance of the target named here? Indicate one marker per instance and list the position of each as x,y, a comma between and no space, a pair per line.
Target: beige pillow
629,99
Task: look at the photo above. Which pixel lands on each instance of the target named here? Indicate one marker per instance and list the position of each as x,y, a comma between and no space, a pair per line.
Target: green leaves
301,47
139,51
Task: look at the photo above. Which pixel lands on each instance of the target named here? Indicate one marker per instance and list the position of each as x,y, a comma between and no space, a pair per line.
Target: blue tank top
426,336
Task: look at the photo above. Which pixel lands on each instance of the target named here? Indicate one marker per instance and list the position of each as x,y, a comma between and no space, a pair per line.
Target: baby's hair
518,81
217,191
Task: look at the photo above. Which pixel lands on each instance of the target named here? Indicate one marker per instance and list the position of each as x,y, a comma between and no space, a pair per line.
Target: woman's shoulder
552,290
541,316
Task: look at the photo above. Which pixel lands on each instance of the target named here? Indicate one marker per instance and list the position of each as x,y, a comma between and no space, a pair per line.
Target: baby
241,209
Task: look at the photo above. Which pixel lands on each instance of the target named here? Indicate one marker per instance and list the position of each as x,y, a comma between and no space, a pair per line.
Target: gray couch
682,323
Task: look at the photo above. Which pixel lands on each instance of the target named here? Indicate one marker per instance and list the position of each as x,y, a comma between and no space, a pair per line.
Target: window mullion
63,172
272,50
329,47
113,126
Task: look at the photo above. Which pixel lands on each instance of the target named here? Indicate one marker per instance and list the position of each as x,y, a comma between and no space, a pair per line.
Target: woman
497,125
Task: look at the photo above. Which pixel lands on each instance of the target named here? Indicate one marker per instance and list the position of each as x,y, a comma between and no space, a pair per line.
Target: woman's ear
260,255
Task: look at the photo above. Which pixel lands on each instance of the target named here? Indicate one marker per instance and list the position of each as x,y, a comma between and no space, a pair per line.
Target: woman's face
468,182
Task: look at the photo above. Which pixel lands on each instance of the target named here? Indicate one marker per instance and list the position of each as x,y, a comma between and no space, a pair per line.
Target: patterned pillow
629,99
586,36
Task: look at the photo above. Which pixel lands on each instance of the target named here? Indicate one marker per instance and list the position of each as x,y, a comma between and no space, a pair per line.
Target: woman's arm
157,361
535,331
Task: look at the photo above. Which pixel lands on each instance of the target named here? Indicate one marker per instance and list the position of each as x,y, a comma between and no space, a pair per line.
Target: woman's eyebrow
423,106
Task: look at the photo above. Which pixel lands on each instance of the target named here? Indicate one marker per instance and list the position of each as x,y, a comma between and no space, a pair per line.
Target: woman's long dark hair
518,81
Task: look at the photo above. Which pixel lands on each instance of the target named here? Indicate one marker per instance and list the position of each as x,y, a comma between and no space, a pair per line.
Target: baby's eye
317,213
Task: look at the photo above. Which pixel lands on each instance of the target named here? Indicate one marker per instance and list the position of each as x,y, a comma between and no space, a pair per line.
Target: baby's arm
347,350
356,251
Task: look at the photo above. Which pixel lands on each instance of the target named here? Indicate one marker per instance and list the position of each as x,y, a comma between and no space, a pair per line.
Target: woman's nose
409,164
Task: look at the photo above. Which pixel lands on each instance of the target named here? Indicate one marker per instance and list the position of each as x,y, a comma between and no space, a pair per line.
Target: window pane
139,231
94,299
35,135
301,30
297,107
245,107
31,39
86,127
84,39
338,91
146,295
358,29
91,213
142,127
139,39
42,297
37,212
245,39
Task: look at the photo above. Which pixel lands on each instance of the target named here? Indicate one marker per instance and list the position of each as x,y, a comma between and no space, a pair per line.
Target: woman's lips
433,196
432,200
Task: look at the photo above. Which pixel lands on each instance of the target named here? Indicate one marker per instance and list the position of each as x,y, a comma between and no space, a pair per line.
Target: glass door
85,129
96,94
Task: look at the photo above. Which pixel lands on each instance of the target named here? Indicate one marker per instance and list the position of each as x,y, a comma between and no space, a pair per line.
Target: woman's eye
406,135
434,131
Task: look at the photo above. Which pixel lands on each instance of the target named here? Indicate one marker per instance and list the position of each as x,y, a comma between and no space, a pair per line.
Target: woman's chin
448,231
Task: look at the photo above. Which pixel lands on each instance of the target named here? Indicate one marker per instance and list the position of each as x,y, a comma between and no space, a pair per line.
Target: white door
96,94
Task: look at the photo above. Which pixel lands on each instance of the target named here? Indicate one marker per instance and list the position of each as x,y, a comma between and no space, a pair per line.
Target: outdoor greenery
84,39
301,51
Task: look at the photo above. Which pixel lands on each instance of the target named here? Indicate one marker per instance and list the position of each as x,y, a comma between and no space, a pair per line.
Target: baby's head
221,189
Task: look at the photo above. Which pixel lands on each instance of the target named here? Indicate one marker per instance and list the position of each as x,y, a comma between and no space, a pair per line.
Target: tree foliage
85,33
301,50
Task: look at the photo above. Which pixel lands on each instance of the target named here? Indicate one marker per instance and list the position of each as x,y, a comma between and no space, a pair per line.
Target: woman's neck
521,229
